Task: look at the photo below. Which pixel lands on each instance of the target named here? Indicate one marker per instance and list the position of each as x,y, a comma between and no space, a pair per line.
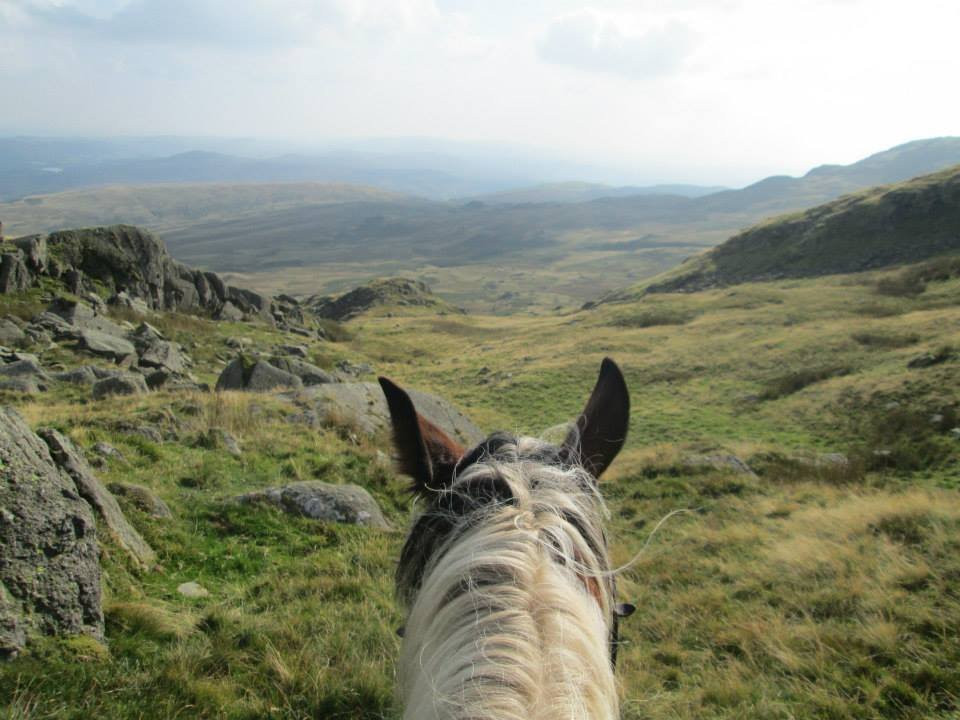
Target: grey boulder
108,346
82,375
256,375
723,462
162,354
349,504
128,384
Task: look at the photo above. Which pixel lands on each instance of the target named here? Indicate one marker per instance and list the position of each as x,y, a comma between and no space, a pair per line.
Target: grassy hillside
882,226
812,589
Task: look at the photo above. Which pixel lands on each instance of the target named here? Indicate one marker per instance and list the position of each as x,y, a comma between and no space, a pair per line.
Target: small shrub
797,380
885,340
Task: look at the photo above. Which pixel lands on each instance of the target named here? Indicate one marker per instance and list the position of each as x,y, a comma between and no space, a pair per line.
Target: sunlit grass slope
805,591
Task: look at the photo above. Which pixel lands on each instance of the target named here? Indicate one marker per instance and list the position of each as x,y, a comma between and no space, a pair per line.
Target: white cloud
244,24
599,42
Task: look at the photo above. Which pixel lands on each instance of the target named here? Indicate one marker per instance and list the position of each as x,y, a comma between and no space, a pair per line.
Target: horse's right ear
424,451
601,428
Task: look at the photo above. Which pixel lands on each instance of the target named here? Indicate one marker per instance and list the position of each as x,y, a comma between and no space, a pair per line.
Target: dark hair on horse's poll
505,575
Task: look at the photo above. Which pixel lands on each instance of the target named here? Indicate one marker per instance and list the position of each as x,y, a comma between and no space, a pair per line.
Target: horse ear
424,451
601,428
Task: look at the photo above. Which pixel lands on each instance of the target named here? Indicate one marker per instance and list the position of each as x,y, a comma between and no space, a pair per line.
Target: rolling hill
569,192
171,206
887,225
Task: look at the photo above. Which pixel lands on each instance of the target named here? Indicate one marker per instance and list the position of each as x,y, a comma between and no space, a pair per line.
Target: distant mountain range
435,169
494,175
572,192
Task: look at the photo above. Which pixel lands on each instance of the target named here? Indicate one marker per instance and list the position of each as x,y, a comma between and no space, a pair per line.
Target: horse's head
550,487
432,459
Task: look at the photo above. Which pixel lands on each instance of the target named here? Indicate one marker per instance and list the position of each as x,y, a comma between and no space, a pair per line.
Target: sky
700,91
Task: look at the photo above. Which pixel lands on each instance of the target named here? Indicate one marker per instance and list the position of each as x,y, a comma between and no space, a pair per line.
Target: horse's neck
521,639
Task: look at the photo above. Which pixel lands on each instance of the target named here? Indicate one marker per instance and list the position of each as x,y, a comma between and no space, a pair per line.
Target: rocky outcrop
135,269
349,504
245,373
361,406
392,291
307,372
49,567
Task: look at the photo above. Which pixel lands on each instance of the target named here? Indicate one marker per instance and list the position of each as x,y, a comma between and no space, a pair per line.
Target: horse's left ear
424,451
602,426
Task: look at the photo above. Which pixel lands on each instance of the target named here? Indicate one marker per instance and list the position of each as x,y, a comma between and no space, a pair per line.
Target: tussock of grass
883,340
913,280
654,317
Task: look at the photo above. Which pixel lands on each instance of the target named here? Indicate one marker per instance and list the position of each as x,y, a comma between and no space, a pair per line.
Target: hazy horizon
684,92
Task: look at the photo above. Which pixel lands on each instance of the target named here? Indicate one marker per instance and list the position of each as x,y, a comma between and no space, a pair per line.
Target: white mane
511,618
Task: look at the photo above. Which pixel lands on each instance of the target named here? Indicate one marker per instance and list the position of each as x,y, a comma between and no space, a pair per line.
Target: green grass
807,591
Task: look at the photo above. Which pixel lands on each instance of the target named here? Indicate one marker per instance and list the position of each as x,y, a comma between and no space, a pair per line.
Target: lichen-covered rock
266,377
127,384
163,354
349,504
49,566
724,462
66,455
